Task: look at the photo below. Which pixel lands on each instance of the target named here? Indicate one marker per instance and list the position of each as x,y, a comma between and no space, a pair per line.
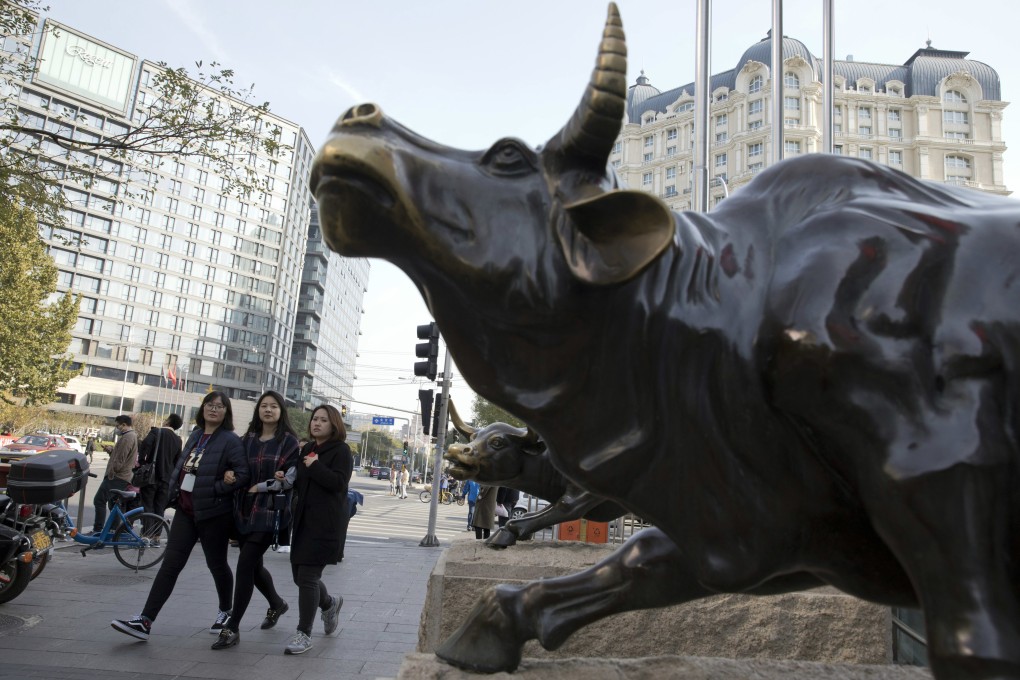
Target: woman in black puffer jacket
212,467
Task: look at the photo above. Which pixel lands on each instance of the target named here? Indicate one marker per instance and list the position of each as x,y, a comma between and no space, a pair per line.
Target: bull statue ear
611,237
530,443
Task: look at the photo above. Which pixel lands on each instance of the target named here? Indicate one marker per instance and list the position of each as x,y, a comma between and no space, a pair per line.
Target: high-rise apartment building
328,323
937,116
182,276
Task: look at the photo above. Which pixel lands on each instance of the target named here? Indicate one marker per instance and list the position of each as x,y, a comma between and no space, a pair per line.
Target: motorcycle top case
47,476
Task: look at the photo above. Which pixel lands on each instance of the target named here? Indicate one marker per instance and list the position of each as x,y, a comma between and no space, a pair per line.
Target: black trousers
312,593
154,497
104,500
185,532
251,574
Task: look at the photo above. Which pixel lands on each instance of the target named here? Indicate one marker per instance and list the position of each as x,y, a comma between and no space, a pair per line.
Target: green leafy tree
36,329
179,116
486,413
299,421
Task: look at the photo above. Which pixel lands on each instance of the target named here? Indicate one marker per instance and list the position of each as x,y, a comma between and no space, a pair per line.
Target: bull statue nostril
362,114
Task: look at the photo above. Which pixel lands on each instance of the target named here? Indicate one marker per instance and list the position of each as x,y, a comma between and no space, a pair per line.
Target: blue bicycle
137,537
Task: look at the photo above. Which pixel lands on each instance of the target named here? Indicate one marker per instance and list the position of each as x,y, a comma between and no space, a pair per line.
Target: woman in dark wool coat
319,503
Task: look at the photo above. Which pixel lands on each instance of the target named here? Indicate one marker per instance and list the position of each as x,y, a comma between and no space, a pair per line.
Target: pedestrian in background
90,447
471,490
320,501
118,470
405,478
202,488
161,448
507,498
271,448
394,482
485,511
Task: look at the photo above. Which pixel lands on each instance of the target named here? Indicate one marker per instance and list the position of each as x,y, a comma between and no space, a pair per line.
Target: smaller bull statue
503,455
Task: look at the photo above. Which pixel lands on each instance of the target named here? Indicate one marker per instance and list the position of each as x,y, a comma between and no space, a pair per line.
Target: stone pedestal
821,625
428,667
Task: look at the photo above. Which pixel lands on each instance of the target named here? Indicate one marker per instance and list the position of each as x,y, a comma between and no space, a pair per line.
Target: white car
74,443
527,503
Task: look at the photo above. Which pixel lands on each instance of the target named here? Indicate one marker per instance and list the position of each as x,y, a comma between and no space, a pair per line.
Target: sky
468,72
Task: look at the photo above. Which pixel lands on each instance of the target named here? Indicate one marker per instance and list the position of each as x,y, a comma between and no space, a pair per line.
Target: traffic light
425,397
428,350
343,411
405,447
435,418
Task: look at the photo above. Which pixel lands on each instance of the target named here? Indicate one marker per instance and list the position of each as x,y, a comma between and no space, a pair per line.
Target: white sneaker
283,549
299,644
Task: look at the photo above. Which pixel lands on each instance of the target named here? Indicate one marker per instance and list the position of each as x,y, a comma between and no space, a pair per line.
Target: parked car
31,444
527,503
74,443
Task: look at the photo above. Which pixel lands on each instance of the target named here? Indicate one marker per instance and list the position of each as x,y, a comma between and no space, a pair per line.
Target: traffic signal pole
430,540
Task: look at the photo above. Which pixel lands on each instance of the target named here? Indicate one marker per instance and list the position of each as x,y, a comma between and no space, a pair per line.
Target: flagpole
159,394
184,394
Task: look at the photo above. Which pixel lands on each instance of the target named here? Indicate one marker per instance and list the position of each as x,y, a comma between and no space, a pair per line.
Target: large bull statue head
387,192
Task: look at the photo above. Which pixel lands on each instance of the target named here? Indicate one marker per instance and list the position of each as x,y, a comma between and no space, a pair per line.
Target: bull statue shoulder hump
817,382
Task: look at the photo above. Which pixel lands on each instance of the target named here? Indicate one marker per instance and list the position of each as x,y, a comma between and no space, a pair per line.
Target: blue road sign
382,420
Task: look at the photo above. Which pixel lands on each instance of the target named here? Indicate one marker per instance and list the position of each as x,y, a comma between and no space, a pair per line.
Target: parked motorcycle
25,547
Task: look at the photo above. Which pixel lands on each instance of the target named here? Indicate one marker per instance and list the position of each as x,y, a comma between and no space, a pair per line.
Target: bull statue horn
459,424
588,136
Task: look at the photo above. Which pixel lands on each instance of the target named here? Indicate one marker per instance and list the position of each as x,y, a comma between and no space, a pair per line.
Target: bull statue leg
570,506
648,571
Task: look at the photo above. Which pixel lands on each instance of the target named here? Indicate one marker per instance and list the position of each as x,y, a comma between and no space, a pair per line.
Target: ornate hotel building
937,116
183,276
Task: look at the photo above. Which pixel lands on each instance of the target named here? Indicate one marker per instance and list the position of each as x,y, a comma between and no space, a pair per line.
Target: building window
957,135
670,151
755,167
720,160
754,125
755,149
648,157
670,191
864,130
837,150
721,137
671,173
618,147
954,117
791,147
958,162
791,103
755,107
649,141
791,80
756,84
671,134
895,133
721,119
895,157
646,179
895,116
865,153
954,97
864,113
686,106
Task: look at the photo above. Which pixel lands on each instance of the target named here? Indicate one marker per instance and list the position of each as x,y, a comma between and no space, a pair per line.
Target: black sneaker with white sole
137,627
220,623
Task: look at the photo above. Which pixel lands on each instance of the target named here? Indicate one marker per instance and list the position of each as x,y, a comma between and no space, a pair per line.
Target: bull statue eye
509,158
497,442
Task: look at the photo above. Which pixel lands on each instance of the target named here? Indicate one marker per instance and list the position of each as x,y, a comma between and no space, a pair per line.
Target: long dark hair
228,413
335,419
283,425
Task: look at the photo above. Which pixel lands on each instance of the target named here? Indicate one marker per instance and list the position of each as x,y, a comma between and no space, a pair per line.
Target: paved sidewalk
59,628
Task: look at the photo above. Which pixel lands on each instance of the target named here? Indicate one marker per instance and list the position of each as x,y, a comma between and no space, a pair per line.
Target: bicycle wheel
425,496
151,531
461,500
446,498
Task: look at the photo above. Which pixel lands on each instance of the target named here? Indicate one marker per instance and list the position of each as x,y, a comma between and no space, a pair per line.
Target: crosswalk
388,518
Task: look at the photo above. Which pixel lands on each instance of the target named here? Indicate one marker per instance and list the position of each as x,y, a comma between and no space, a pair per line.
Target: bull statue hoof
488,641
501,539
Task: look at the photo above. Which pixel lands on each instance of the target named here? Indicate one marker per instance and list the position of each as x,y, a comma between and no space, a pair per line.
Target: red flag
171,377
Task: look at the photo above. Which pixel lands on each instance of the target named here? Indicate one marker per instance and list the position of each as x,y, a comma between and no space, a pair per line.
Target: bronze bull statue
500,454
816,383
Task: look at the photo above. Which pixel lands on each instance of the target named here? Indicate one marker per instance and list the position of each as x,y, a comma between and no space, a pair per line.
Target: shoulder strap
155,452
